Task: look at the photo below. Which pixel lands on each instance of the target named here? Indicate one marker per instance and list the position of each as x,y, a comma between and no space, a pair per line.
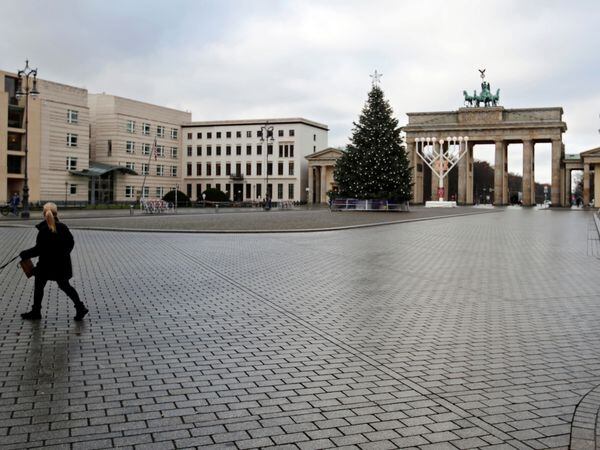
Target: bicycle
4,210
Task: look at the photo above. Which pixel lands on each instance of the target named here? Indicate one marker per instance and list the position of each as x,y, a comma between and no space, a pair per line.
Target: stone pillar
527,173
311,182
416,162
556,160
463,166
323,184
586,184
469,157
505,193
596,185
499,173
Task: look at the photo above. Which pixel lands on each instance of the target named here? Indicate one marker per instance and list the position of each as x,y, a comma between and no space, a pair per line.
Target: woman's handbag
27,267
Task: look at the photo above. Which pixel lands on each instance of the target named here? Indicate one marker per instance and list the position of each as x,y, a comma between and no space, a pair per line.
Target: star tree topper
376,78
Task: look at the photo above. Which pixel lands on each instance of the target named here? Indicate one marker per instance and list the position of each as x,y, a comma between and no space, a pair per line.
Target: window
291,150
71,140
218,150
238,134
208,170
130,165
218,135
146,129
269,168
71,163
238,150
189,190
248,191
160,192
258,190
198,135
314,148
174,171
160,150
314,137
270,190
73,189
189,169
228,150
209,135
129,191
280,133
130,126
160,131
279,191
174,133
109,151
248,169
290,168
228,169
270,149
286,153
208,186
258,169
146,193
228,134
145,149
190,135
72,117
198,150
248,150
280,168
290,191
190,150
218,169
259,133
160,170
218,186
281,151
145,168
238,169
174,152
248,134
259,149
198,191
130,147
208,150
198,169
291,133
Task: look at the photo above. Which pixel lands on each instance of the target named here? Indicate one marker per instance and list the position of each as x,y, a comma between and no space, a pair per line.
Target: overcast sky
255,59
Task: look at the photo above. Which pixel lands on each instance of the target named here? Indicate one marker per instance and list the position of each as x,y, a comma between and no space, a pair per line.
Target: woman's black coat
54,251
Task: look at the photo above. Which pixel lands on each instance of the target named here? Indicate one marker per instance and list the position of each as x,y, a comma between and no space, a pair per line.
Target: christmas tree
375,165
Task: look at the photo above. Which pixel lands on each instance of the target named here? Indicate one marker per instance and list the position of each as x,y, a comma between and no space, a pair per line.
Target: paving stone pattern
467,332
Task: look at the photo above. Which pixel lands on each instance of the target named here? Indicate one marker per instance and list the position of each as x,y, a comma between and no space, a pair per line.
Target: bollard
216,208
131,210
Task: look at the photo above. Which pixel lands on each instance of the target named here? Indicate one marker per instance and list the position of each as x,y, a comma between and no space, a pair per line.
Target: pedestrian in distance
14,203
53,247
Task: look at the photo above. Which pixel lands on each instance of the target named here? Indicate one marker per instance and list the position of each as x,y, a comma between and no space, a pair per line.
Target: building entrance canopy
491,125
97,169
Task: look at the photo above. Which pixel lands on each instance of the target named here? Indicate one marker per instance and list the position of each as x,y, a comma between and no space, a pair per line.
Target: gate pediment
469,116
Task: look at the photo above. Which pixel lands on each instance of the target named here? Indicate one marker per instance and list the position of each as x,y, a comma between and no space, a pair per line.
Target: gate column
586,184
528,200
469,157
463,166
556,159
499,175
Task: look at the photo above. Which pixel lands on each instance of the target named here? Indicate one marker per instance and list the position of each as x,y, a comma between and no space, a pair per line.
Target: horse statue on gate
486,97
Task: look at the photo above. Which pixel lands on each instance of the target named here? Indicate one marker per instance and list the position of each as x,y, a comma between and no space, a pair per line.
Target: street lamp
23,76
66,186
266,137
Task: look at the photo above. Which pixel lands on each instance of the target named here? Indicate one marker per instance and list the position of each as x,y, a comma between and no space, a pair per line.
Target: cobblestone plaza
464,332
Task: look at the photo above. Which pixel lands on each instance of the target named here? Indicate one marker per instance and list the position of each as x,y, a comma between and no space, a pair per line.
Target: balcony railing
236,176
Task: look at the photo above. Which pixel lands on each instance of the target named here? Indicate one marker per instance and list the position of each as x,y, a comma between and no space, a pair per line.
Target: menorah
441,159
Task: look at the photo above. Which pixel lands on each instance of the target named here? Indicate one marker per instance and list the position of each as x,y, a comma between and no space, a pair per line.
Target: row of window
247,191
238,169
160,169
238,134
130,191
285,150
160,129
146,148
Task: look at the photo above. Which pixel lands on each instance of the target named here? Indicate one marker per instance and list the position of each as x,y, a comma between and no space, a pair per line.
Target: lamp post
266,137
23,76
66,186
307,194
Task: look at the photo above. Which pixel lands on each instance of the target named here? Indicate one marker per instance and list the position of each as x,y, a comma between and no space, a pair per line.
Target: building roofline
280,121
140,101
433,113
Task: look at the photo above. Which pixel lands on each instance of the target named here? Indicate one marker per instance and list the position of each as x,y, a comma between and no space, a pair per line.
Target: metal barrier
156,206
354,204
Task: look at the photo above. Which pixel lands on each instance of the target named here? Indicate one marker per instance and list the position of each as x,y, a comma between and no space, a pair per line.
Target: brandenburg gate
489,124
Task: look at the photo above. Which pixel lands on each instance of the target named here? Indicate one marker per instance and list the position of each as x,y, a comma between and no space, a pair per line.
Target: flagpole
147,171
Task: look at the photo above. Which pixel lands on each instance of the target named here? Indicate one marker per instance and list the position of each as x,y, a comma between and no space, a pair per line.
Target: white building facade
234,157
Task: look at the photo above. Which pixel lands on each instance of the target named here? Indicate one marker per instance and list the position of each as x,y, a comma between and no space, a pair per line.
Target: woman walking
53,247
